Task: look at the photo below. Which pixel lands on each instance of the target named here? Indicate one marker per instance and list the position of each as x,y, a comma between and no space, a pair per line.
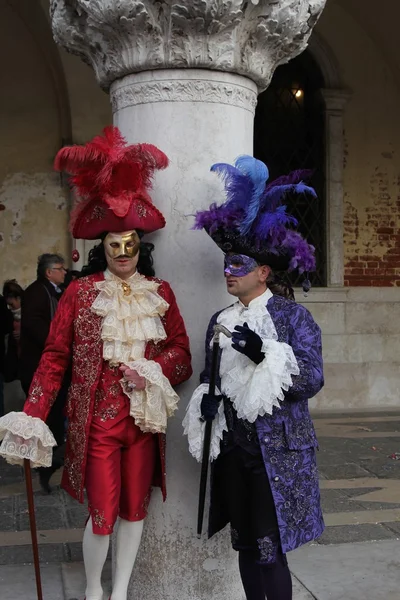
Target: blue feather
258,173
273,197
238,185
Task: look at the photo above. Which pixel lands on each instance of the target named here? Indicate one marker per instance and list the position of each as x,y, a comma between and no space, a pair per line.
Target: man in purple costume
264,478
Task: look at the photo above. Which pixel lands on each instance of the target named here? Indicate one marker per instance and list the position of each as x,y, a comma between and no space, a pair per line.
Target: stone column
185,77
335,103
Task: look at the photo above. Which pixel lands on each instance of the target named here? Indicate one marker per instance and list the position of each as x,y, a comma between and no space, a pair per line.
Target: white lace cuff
152,406
26,437
255,389
194,428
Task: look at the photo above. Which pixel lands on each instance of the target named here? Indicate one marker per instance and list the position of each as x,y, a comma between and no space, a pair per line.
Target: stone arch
34,19
35,123
335,97
289,134
326,60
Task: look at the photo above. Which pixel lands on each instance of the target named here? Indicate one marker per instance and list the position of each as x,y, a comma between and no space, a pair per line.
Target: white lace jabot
132,312
254,390
129,320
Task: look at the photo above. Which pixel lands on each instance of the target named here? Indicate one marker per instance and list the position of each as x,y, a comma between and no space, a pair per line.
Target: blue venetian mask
239,265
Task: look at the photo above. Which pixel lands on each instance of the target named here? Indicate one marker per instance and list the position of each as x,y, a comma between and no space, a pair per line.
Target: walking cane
208,427
32,521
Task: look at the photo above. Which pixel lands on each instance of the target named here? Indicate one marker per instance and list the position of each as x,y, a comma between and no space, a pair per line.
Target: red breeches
119,472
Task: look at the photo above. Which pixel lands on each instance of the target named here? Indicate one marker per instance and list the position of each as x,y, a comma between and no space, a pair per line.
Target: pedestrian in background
39,305
13,293
6,326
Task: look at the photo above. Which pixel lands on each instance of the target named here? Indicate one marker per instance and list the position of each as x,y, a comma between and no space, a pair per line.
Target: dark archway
289,134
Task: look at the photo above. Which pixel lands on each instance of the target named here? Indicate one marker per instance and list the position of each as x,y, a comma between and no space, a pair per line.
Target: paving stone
18,582
338,451
367,505
73,575
76,517
361,414
341,445
355,533
327,458
361,571
334,501
17,555
7,515
10,473
55,499
46,518
7,504
389,426
74,552
8,521
383,469
395,527
346,471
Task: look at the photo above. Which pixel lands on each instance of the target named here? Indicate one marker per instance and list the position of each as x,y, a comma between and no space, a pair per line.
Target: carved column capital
121,37
182,85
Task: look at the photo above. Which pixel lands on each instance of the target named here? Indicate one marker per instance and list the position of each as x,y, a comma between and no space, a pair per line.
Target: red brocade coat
75,335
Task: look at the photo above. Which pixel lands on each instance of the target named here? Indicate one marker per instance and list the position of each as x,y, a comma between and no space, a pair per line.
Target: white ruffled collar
256,315
256,303
130,318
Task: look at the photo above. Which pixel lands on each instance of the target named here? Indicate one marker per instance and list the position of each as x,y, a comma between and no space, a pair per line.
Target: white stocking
127,545
95,548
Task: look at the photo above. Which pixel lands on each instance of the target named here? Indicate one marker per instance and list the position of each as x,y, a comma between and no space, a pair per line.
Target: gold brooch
126,287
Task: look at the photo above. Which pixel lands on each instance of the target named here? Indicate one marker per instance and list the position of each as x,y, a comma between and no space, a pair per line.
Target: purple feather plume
271,221
301,252
291,178
255,212
274,195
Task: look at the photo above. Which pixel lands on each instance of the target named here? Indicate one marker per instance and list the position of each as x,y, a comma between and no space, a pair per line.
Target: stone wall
372,145
33,215
372,234
361,347
361,336
34,205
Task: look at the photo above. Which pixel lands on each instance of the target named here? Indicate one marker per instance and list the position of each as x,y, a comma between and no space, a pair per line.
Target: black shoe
44,479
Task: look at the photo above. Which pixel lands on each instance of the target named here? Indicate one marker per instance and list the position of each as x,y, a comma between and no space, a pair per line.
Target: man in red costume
126,338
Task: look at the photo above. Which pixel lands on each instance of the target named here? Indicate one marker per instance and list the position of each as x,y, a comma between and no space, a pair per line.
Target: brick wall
372,236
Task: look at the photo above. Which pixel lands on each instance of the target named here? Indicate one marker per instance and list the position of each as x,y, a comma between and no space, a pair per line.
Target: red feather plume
108,168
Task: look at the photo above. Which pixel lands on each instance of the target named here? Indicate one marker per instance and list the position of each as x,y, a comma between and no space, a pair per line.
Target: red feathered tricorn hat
111,180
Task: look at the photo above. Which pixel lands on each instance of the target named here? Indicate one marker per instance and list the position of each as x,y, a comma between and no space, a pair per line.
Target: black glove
248,342
209,407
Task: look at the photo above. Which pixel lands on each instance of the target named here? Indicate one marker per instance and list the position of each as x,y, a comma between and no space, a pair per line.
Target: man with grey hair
38,308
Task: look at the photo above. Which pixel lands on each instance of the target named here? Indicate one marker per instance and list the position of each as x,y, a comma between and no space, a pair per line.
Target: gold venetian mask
126,244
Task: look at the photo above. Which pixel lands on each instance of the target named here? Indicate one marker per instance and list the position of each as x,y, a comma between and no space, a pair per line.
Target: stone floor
359,462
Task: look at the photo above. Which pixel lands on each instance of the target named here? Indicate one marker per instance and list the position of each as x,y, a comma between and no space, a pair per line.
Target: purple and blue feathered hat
253,219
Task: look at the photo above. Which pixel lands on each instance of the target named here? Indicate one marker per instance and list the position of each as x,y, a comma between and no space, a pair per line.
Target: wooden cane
32,522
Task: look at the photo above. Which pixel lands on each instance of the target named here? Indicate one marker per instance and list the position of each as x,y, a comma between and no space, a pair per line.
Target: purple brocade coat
287,437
